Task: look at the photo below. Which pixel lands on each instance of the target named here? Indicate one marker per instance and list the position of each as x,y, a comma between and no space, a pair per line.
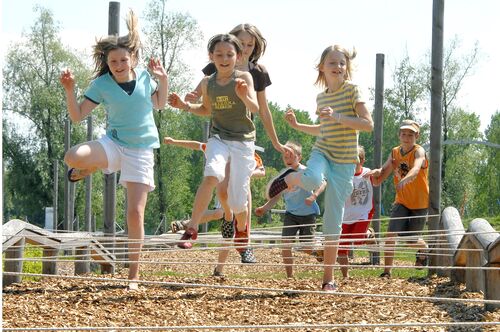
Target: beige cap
410,124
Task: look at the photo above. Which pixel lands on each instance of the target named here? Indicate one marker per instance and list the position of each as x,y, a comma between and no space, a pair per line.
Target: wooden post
474,279
492,286
15,252
206,132
81,266
55,195
67,142
110,179
436,118
50,267
378,114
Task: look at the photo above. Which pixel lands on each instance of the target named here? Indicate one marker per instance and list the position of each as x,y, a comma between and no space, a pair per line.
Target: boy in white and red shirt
358,212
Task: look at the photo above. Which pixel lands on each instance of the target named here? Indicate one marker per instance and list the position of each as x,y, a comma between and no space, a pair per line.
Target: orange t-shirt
414,195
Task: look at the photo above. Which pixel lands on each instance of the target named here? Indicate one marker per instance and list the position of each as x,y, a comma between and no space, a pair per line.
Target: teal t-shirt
130,117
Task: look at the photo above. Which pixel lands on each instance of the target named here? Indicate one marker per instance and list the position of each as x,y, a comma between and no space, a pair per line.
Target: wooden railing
17,233
478,247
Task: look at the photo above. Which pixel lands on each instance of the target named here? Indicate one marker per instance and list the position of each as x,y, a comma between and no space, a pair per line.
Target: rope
260,289
204,262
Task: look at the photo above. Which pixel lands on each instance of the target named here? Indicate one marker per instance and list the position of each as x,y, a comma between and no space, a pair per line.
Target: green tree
486,201
33,95
168,36
456,68
462,160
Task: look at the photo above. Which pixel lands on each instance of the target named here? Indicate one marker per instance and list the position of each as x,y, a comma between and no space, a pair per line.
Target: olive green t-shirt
230,118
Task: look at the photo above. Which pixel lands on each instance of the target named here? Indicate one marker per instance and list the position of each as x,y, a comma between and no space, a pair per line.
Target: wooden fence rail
16,233
479,246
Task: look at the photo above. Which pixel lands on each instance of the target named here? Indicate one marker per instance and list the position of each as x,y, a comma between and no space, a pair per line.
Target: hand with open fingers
156,68
241,88
67,80
175,101
192,97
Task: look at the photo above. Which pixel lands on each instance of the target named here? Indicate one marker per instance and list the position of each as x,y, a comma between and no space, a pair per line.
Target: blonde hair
349,56
361,153
260,41
296,147
130,42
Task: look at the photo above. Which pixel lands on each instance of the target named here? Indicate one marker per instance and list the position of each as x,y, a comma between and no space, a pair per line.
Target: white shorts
134,164
240,156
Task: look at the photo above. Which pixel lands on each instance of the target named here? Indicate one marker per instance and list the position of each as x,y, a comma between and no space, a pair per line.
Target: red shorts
353,231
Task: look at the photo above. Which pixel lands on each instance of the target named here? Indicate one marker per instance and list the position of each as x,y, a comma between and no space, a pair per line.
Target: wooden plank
494,252
474,279
492,286
460,258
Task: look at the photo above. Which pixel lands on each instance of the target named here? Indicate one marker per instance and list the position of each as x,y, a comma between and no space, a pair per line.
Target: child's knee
312,180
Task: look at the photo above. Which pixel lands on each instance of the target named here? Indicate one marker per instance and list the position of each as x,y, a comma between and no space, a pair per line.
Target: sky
298,31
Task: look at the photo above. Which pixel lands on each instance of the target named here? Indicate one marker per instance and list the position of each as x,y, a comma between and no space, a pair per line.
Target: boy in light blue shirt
301,209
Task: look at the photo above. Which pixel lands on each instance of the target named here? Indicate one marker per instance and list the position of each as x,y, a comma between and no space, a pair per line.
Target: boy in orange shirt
408,215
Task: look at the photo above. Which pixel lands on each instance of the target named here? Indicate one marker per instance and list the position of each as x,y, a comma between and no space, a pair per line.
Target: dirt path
60,302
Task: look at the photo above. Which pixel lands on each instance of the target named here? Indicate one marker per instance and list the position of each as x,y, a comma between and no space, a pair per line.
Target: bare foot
133,286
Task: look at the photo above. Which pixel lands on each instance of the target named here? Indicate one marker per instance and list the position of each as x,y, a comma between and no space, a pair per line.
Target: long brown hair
130,42
260,41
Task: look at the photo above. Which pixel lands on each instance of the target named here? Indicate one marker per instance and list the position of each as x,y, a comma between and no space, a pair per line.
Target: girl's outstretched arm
193,145
77,112
159,98
267,120
305,128
203,109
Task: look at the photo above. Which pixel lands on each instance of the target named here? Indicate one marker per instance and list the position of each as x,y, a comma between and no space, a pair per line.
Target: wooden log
15,252
453,230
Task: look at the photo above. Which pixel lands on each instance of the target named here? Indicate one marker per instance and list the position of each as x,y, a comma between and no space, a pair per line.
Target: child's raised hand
175,101
241,88
67,80
290,117
156,68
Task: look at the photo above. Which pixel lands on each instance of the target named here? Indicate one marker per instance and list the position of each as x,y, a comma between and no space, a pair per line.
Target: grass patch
29,266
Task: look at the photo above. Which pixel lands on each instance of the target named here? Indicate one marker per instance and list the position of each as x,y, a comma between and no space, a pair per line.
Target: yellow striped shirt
338,142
